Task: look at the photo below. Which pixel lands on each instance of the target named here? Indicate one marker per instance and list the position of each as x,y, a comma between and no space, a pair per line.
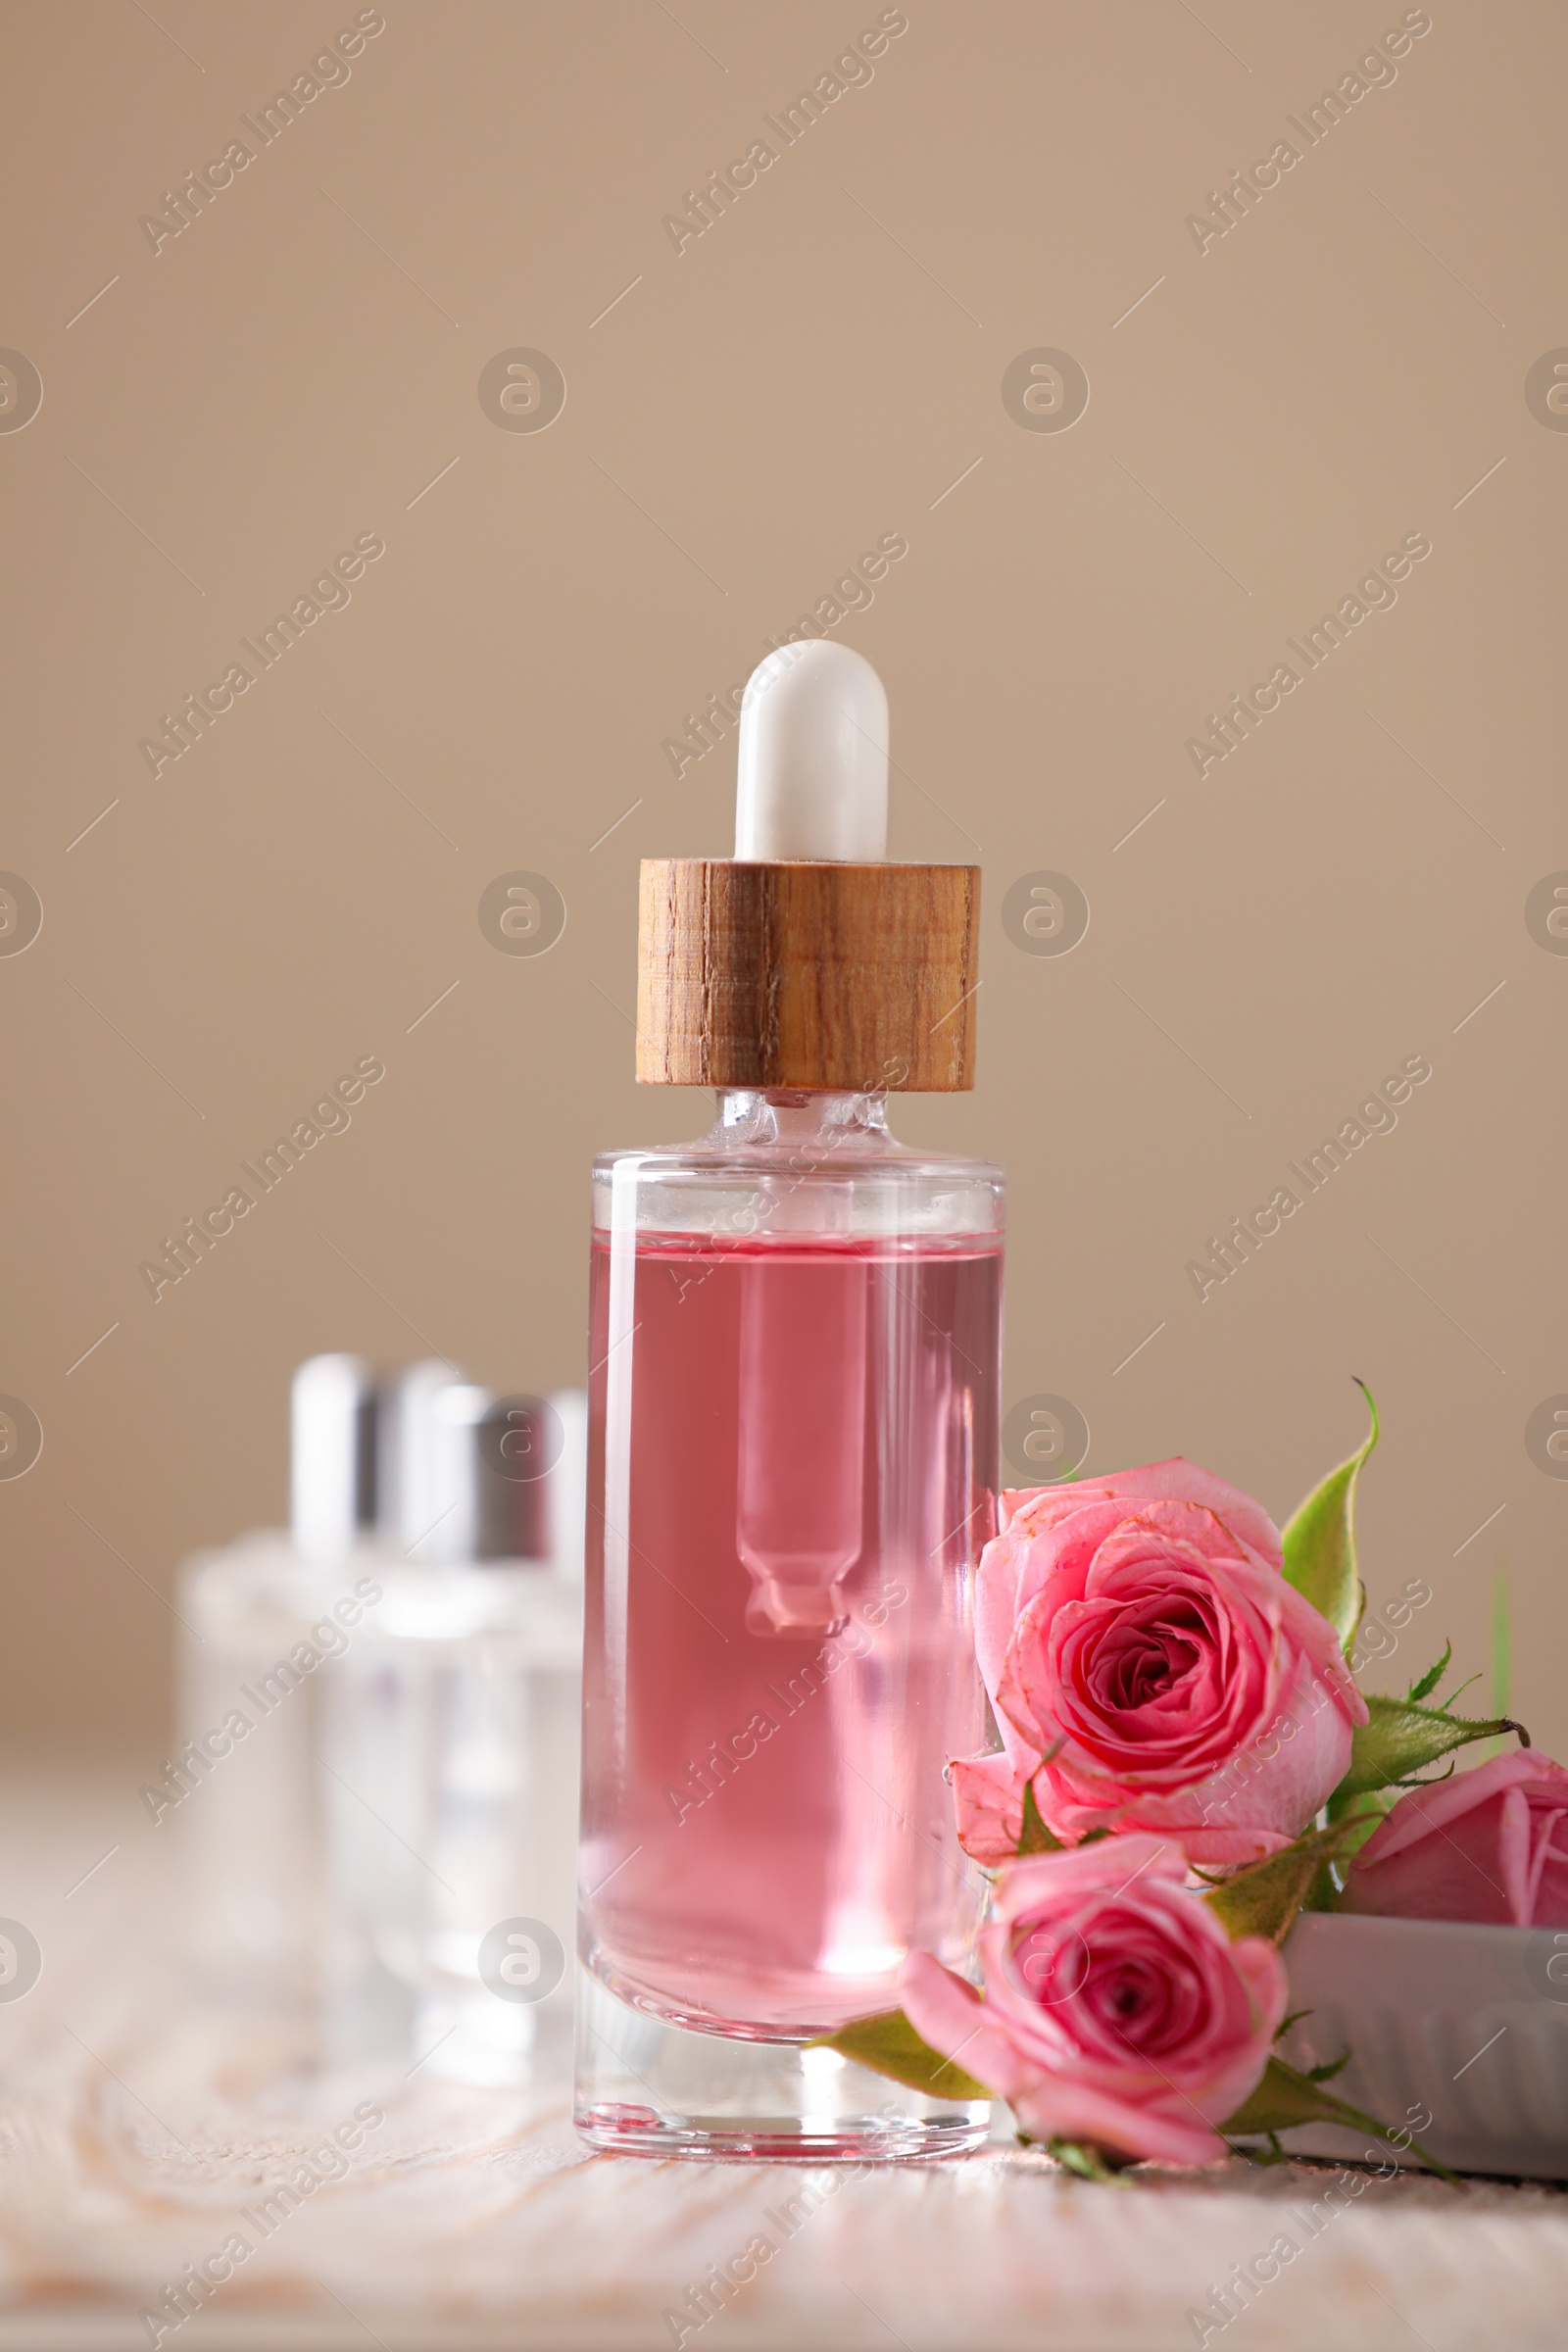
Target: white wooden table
134,2127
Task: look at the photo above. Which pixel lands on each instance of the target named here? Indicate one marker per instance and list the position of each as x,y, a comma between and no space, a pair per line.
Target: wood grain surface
139,2125
805,975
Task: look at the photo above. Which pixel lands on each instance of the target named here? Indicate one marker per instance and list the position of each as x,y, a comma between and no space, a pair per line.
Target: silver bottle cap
491,1460
522,1442
332,1432
410,1499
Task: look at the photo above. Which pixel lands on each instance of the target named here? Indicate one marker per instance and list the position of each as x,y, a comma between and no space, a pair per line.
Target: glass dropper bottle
795,1352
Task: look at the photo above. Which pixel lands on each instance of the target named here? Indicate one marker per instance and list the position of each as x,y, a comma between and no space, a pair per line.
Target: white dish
1467,2025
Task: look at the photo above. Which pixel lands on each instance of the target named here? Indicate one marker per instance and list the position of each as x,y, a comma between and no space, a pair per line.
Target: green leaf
1265,1899
888,2044
1402,1738
1320,1541
1432,1677
1036,1837
1285,2098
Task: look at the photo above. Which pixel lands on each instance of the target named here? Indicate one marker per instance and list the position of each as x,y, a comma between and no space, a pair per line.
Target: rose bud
1489,1845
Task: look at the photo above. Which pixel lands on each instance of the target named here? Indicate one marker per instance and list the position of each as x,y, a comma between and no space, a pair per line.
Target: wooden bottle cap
843,978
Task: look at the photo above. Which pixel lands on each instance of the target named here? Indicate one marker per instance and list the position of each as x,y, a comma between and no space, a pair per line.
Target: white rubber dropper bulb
813,775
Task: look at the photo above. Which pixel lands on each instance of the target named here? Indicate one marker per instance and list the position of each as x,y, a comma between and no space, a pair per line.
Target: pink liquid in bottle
792,1472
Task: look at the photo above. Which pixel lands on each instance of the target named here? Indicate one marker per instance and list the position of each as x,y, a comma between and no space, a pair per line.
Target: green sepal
1285,2098
1400,1740
1265,1899
1274,2154
1358,1814
1323,1894
1319,1542
1428,1682
888,2044
1089,2162
1035,1837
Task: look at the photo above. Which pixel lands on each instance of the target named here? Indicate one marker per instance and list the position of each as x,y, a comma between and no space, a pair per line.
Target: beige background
814,371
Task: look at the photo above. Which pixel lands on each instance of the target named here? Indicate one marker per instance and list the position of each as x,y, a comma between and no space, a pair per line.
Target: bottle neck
806,1123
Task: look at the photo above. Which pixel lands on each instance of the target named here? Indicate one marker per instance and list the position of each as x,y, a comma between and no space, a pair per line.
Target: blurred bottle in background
379,1757
263,1622
451,1756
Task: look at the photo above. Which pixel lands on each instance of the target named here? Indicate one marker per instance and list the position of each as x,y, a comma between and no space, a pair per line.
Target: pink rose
1490,1846
1116,2008
1150,1669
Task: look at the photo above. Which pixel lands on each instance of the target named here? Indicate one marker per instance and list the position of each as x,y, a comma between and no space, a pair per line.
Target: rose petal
1257,1802
1178,1479
1488,1845
1116,2009
951,2016
1058,1879
1059,2110
988,1796
996,1606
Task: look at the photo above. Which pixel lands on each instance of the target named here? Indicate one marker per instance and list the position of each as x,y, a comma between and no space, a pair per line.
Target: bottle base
647,2087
